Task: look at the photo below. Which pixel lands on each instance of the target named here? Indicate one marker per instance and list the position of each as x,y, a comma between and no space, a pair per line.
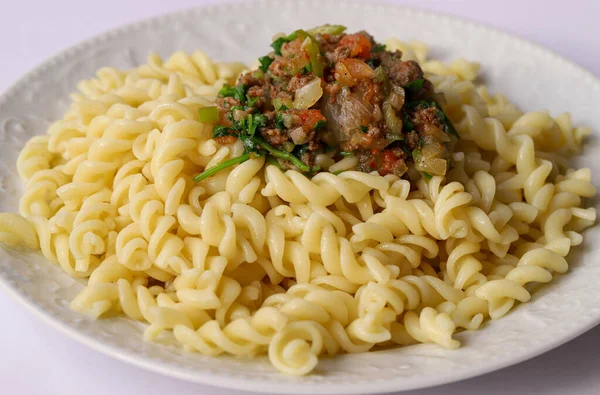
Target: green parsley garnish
346,153
415,85
321,124
378,48
364,129
277,44
237,92
265,62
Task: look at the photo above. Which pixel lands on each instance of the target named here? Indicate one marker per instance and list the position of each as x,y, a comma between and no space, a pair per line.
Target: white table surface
36,359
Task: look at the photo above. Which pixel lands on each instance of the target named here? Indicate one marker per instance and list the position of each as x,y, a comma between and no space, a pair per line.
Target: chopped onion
432,150
435,166
278,102
287,120
349,71
309,94
393,123
396,97
298,135
437,133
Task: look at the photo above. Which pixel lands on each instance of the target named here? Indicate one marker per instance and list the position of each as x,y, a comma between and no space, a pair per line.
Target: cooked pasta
257,260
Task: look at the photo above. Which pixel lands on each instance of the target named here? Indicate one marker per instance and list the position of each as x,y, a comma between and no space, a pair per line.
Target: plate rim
240,383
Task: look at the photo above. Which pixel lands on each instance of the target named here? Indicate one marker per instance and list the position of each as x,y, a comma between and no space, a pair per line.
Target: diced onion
432,150
393,123
435,166
278,102
396,98
309,94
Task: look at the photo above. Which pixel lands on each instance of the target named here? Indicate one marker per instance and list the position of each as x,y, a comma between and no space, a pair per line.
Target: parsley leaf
378,48
221,131
279,121
346,153
364,129
427,175
415,85
265,62
321,124
237,92
277,44
251,100
300,150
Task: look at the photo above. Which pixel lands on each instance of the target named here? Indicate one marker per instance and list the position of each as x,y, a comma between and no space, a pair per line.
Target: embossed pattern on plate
532,77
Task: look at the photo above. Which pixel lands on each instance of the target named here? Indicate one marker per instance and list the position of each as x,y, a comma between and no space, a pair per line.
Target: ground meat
298,81
412,140
274,136
278,68
349,115
403,73
328,42
338,54
260,92
423,118
250,80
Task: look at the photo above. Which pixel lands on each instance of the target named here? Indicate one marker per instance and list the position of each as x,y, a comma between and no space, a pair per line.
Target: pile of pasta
258,261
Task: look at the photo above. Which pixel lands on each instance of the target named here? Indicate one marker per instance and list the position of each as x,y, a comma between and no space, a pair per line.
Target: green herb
378,48
415,85
221,131
321,124
346,153
277,44
237,92
223,165
271,160
208,114
427,175
364,129
287,156
328,29
256,121
279,121
416,154
292,56
300,150
254,146
265,62
251,100
373,63
335,173
444,118
307,69
420,103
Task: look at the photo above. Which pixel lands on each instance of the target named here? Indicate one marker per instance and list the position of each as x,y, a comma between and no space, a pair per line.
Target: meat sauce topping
323,93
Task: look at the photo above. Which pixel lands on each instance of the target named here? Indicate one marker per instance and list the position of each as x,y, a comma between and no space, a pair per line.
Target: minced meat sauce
323,91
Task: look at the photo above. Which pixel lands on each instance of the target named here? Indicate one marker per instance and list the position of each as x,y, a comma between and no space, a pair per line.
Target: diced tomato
388,160
358,44
308,119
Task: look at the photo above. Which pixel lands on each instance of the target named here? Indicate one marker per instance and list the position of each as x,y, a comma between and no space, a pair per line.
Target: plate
532,77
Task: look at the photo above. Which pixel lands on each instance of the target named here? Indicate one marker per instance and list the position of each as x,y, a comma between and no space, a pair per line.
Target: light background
36,359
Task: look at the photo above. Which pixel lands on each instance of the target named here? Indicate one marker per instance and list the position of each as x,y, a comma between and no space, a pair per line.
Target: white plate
532,77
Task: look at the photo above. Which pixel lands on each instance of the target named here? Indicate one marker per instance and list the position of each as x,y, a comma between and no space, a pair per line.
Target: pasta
256,260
